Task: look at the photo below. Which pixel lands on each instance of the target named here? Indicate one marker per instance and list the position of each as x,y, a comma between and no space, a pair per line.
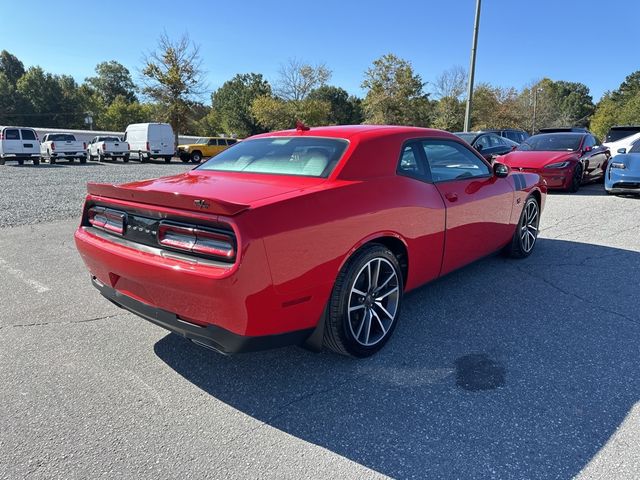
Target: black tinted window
231,141
635,148
222,142
452,161
28,134
62,137
616,134
410,163
552,142
12,134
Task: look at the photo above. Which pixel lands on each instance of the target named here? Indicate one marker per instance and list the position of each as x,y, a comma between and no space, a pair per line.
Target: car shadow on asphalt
506,368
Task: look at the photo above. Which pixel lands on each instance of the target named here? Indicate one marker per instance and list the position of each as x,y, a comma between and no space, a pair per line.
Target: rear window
616,134
61,137
552,142
308,156
28,135
11,134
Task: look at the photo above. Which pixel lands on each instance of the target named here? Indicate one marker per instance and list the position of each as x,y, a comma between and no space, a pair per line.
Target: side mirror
622,150
587,149
479,148
500,170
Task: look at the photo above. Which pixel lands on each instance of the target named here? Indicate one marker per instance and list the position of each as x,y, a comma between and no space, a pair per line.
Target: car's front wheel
365,303
526,234
576,178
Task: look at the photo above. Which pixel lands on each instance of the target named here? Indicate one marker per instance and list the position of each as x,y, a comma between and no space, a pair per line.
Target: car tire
20,162
196,157
525,236
185,158
141,157
2,161
36,161
100,156
83,159
167,159
576,178
364,306
125,159
52,160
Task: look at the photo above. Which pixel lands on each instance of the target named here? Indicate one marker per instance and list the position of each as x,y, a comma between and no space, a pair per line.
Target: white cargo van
150,140
20,144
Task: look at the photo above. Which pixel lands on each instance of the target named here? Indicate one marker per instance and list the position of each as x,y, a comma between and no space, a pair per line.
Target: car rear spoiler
174,200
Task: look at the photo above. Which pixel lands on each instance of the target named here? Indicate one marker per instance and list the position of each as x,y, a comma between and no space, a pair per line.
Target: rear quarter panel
309,238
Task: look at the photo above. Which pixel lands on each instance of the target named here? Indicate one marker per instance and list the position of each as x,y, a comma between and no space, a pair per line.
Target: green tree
232,104
395,94
123,112
622,106
173,77
344,109
274,113
11,67
112,80
449,114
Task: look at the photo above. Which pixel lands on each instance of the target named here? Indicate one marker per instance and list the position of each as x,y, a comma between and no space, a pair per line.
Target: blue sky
587,41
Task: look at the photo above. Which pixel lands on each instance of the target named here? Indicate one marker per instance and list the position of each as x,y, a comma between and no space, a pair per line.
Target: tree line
172,86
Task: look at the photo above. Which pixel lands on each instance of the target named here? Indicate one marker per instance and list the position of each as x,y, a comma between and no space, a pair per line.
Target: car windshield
467,137
552,142
616,134
303,156
636,147
62,137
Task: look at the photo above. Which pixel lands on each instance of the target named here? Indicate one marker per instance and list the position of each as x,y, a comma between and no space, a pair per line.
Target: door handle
452,197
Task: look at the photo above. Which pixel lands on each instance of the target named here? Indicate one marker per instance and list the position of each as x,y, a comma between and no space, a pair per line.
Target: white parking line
20,275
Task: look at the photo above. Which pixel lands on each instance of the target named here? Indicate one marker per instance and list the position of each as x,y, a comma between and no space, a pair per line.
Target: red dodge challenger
304,236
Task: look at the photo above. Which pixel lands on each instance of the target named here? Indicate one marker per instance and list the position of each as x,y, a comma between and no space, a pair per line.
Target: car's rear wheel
365,303
36,161
576,178
125,159
167,159
526,234
20,162
196,157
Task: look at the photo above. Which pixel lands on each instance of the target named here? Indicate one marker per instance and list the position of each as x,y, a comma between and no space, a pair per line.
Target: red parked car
564,160
307,235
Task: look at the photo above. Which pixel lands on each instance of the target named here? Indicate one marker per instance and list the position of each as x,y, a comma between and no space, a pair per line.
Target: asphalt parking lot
505,369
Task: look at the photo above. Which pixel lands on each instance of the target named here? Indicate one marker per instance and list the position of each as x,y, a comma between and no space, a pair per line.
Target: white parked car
621,137
151,140
103,147
57,146
19,144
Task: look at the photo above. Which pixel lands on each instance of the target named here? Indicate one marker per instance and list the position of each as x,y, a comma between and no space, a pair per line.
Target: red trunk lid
210,192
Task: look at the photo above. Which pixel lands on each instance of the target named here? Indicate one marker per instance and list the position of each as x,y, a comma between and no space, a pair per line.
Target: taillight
53,146
128,147
106,219
148,149
196,240
84,145
1,136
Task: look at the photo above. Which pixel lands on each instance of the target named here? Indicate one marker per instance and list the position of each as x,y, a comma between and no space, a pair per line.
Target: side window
449,160
496,141
28,134
124,139
410,163
11,134
232,141
596,141
211,142
482,142
589,142
222,142
512,135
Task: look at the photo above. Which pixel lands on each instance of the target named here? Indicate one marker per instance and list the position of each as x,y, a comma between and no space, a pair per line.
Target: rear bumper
210,336
68,154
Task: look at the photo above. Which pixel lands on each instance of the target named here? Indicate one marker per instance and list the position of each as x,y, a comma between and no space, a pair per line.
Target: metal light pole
472,68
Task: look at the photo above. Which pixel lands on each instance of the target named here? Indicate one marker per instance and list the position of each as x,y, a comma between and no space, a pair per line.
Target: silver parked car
623,172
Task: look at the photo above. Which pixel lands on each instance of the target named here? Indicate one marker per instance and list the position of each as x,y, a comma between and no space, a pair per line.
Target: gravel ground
46,193
504,369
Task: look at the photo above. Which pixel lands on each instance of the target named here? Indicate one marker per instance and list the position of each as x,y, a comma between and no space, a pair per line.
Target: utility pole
535,107
472,68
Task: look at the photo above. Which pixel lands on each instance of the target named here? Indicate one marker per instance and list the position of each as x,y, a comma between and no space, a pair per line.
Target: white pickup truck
56,146
103,147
